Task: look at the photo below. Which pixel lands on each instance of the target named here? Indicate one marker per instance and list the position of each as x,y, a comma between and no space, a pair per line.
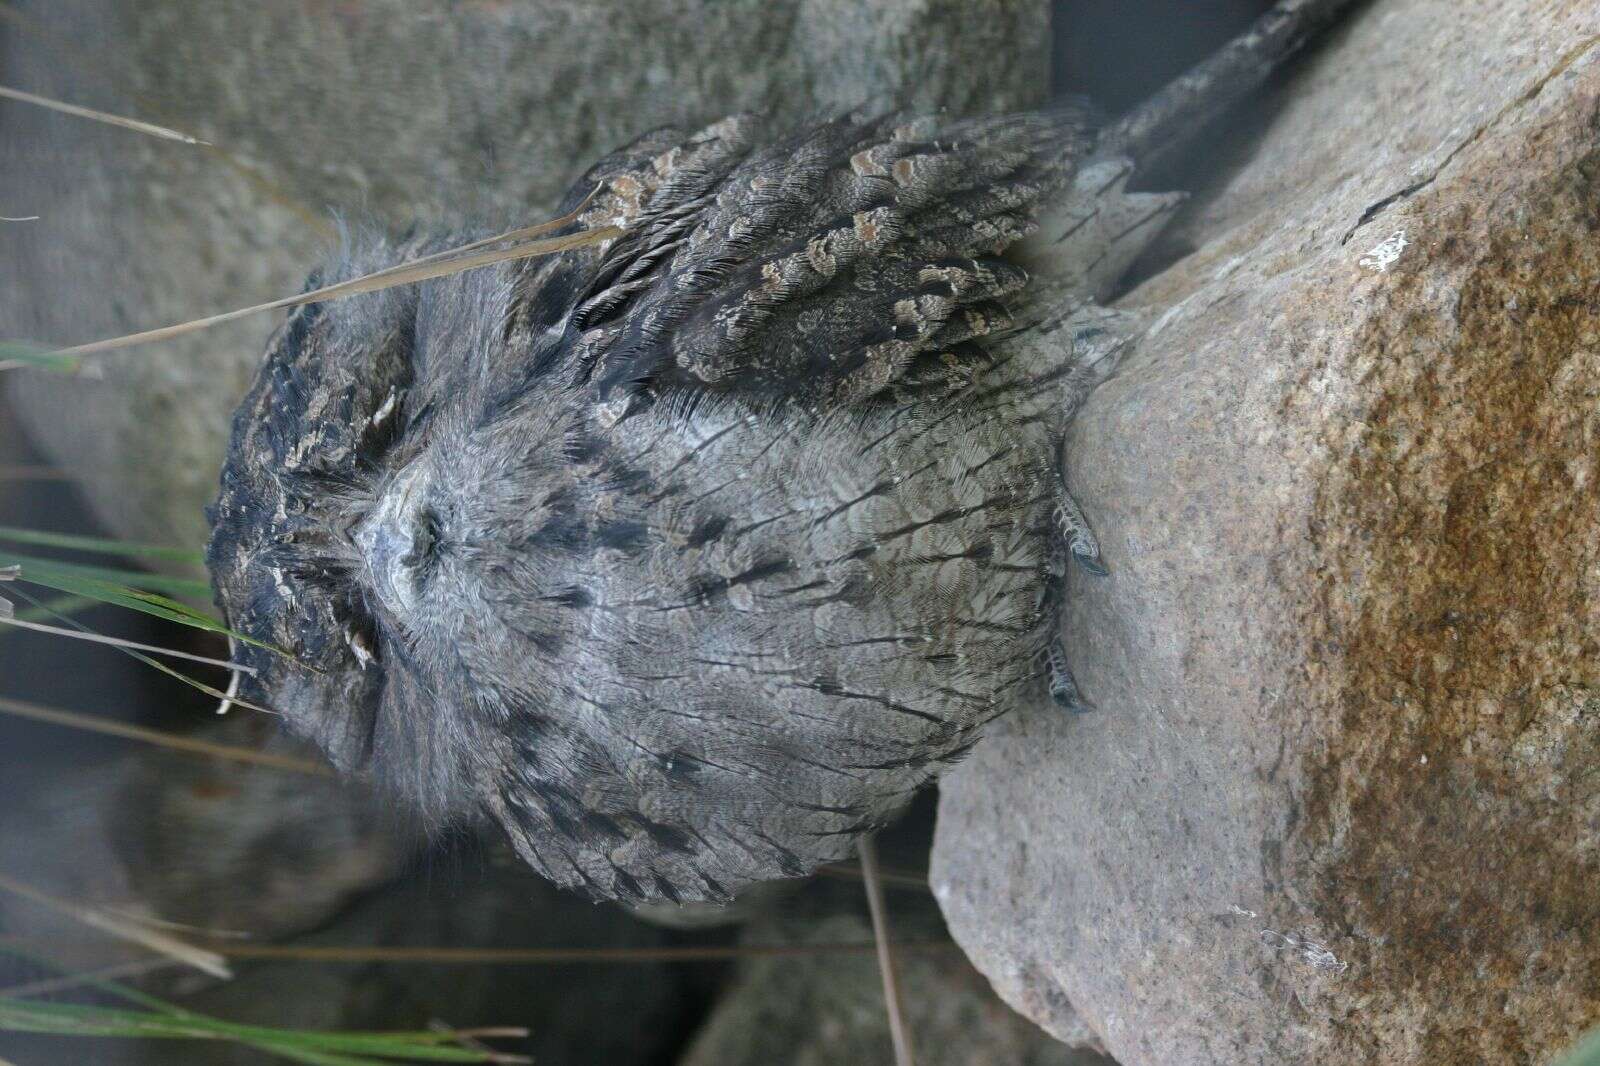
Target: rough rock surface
818,1010
206,843
576,1012
1339,801
382,108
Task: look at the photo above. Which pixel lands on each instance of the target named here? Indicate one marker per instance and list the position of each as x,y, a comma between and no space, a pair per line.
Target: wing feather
821,265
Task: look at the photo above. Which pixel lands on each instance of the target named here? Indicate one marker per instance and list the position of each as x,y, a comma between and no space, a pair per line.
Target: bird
689,557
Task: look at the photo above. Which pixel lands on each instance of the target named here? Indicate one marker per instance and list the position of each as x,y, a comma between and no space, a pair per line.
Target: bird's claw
1063,688
1074,531
1089,560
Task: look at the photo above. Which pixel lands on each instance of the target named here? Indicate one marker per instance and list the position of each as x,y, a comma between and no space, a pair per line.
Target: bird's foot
1074,531
1063,689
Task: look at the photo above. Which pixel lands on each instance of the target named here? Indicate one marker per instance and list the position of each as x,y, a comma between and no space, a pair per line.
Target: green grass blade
413,1046
121,595
44,610
14,354
102,545
137,579
163,1020
52,576
334,1048
317,1058
104,984
74,1019
84,581
59,607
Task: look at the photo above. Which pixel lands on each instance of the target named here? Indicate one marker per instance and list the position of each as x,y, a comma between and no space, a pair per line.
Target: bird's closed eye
426,542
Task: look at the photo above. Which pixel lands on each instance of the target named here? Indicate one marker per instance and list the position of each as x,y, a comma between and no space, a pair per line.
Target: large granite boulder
1340,801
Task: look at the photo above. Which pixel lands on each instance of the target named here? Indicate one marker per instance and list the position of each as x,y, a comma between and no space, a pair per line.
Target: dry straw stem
76,629
113,71
96,724
484,1032
512,956
118,642
18,472
203,932
452,261
474,1038
899,1032
123,929
363,954
67,982
890,878
98,116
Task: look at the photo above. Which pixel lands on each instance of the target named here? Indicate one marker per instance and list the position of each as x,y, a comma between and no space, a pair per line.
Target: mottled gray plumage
692,556
689,558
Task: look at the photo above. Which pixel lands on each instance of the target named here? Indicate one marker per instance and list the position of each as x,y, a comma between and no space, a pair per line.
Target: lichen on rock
1339,801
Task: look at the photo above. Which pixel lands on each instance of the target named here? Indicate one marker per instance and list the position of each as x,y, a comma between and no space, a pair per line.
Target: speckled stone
1339,802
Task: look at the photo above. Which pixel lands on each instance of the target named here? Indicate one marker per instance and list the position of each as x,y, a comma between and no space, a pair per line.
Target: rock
220,845
266,859
817,1010
1338,802
617,1011
396,110
208,844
